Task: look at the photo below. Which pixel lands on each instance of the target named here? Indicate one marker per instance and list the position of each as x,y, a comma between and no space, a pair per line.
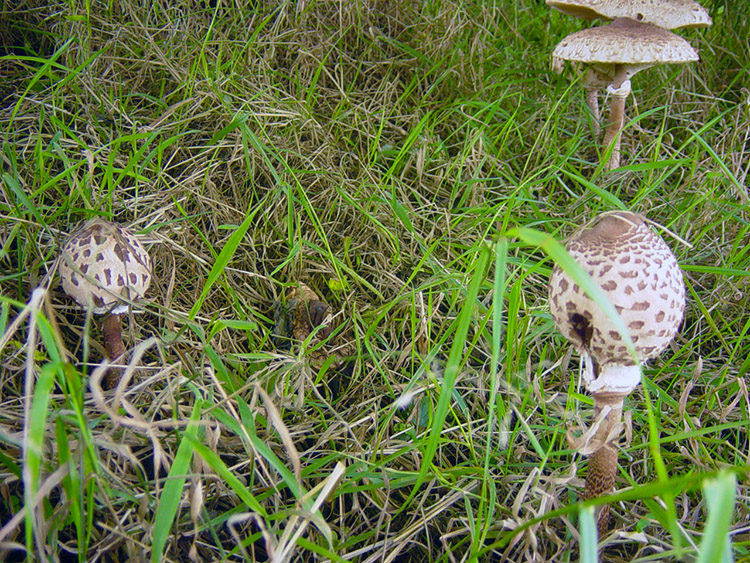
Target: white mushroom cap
102,265
624,41
640,275
669,14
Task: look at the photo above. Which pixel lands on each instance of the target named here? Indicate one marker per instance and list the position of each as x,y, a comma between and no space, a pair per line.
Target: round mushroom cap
624,41
302,313
640,275
103,266
669,14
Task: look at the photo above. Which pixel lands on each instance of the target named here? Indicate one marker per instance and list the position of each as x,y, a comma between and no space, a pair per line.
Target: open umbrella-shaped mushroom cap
104,264
624,41
641,277
669,14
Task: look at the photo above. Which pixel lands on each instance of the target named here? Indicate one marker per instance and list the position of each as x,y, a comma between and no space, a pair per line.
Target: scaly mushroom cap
102,264
624,41
669,14
641,277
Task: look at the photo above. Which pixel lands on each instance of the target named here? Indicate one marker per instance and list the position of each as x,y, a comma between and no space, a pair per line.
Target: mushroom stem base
114,347
602,470
600,480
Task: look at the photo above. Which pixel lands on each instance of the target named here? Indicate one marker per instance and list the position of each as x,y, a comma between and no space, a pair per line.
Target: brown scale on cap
642,279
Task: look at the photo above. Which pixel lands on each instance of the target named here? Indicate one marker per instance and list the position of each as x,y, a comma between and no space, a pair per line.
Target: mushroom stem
600,477
113,346
616,118
593,80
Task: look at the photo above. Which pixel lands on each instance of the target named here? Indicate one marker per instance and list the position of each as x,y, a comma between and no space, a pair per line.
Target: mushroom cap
624,41
640,275
669,14
104,264
303,312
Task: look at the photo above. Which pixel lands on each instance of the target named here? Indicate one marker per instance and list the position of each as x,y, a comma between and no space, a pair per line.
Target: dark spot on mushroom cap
120,252
582,328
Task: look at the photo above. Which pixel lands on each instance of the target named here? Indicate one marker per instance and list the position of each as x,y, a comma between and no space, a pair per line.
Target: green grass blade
719,494
453,364
222,261
587,527
215,462
169,500
35,440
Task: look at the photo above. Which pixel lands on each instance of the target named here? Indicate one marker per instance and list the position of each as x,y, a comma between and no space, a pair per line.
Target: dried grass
379,144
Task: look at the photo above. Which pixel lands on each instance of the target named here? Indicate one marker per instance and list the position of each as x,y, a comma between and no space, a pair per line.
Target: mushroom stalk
616,119
114,347
592,101
593,80
600,478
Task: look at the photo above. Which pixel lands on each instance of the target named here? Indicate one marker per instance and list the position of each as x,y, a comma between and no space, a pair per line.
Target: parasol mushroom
618,51
104,268
641,277
668,14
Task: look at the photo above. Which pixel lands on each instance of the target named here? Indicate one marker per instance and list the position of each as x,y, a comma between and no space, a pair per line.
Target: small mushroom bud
641,277
103,268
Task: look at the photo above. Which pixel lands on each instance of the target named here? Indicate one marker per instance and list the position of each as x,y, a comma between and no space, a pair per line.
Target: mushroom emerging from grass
617,51
641,277
303,313
104,268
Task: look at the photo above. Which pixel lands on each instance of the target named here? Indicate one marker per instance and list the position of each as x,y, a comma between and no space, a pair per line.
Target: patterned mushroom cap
640,275
669,14
103,264
624,41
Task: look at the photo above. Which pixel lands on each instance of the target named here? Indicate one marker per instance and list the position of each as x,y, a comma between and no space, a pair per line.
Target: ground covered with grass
403,160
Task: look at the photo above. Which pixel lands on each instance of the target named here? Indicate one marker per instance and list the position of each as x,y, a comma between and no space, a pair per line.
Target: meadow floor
410,162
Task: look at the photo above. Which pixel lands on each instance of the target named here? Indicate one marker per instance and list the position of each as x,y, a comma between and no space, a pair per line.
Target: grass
406,161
